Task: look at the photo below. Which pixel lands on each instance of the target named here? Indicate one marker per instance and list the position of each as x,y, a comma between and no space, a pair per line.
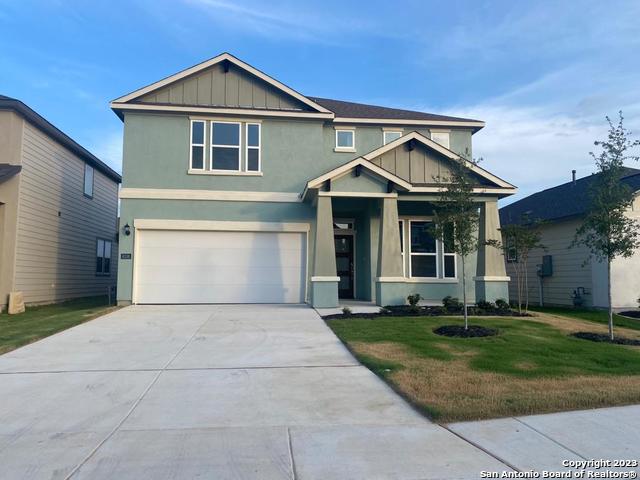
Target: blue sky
541,74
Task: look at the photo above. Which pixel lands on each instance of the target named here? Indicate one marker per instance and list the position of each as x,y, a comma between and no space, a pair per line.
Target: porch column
324,281
390,282
491,277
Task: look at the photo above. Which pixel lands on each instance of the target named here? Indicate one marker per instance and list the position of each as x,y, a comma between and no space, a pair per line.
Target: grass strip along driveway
41,321
532,366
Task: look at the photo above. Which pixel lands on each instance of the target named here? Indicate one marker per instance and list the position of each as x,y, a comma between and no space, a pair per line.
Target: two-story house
239,189
58,212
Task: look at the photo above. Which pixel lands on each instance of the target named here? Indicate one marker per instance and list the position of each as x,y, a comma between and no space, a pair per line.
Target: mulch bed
631,314
601,337
435,311
459,331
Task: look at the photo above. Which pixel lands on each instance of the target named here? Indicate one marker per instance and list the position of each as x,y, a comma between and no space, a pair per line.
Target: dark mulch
435,311
601,337
631,314
459,331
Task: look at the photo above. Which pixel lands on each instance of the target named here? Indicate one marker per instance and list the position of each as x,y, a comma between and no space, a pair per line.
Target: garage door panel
220,267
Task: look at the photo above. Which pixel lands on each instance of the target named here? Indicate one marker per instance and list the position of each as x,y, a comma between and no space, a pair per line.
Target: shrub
346,311
502,305
484,305
451,304
414,299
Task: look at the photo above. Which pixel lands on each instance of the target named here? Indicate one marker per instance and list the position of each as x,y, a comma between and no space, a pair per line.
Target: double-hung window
103,257
401,226
197,145
225,146
253,147
448,254
512,251
423,261
391,135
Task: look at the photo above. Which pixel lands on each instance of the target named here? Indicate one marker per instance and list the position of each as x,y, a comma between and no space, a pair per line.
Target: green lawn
530,367
597,316
42,321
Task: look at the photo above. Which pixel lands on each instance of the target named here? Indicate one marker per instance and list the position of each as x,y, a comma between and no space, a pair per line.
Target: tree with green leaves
457,219
607,231
518,240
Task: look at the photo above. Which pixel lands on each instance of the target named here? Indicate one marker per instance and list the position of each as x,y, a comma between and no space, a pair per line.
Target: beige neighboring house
570,276
58,212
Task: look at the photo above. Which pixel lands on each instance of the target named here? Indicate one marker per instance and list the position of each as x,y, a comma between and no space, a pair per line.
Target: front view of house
238,189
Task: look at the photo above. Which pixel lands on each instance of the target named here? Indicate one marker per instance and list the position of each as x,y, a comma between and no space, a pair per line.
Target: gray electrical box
546,268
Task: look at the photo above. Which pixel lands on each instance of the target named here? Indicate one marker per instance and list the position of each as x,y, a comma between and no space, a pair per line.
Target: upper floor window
391,135
225,146
441,137
88,180
103,257
197,145
345,140
253,147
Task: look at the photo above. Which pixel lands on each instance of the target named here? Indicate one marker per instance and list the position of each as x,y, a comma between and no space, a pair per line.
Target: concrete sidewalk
224,392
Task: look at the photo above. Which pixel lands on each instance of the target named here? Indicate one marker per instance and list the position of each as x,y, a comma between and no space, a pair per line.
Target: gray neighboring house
238,189
58,212
572,270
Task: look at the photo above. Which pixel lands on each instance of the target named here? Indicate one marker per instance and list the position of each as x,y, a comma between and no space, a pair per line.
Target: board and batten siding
572,267
58,226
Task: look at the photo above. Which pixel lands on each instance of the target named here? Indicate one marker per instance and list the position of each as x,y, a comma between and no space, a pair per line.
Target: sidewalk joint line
549,438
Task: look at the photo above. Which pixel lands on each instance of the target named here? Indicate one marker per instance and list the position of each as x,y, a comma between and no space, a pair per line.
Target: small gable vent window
103,257
391,135
441,137
345,140
88,181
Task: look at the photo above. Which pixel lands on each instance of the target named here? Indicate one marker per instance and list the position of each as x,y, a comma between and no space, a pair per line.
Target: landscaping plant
413,302
607,231
457,218
522,238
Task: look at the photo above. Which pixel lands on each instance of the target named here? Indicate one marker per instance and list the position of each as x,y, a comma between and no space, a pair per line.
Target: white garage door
174,266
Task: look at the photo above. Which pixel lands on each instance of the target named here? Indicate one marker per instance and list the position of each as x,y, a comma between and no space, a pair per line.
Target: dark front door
344,265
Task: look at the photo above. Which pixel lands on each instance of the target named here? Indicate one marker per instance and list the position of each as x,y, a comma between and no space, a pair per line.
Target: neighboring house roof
563,201
7,171
351,110
8,103
336,110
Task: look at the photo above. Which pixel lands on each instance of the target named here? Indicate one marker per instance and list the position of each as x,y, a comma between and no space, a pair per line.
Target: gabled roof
418,137
347,167
8,103
354,112
564,201
224,57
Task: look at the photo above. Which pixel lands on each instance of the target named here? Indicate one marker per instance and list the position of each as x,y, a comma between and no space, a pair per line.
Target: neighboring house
571,275
58,211
239,189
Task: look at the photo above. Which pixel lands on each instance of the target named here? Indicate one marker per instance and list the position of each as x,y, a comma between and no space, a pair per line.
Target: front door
344,265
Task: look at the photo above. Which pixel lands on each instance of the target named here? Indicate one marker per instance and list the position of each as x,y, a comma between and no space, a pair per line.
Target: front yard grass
41,321
591,315
532,366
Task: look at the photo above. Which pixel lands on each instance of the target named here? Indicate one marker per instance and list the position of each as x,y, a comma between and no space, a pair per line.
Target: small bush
346,311
451,304
414,299
484,305
502,304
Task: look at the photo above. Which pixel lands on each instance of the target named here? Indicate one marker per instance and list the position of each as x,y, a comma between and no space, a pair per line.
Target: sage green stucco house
238,189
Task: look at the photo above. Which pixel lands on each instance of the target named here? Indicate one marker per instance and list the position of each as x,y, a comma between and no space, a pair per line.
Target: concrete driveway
220,392
228,392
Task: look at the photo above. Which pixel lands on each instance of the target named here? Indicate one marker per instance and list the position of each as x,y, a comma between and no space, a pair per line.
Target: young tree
457,218
518,239
607,231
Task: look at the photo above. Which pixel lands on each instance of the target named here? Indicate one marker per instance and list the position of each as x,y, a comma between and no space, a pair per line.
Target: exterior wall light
127,229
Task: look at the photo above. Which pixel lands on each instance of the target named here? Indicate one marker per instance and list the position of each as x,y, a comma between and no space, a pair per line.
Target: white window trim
352,148
247,148
436,254
385,131
403,242
203,145
237,147
88,167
